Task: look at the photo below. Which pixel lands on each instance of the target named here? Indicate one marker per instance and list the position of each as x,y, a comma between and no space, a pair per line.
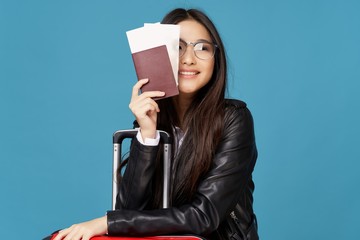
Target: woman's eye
201,47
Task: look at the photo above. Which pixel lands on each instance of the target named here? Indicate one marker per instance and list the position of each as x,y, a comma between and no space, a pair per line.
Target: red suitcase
175,237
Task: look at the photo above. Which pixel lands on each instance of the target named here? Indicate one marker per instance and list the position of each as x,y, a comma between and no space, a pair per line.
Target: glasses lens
182,48
204,50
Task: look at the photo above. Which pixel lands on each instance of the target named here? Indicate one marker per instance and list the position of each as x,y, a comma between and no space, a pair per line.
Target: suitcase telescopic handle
120,135
165,138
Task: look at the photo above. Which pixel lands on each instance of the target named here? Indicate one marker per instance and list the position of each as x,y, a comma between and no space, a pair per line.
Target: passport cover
154,64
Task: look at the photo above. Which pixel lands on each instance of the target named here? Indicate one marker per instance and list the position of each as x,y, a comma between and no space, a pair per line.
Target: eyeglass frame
197,42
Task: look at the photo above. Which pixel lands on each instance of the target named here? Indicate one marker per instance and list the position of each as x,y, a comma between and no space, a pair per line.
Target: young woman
214,157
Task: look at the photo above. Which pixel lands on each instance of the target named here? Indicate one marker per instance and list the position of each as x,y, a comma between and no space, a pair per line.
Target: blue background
65,79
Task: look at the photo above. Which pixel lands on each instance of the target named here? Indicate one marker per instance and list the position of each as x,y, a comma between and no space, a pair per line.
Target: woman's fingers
147,94
143,104
74,232
144,99
84,231
138,85
76,236
62,233
145,108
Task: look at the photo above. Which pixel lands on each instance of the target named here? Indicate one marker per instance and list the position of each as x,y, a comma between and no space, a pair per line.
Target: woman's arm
135,185
217,194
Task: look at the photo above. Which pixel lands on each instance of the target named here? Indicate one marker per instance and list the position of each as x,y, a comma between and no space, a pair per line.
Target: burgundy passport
154,64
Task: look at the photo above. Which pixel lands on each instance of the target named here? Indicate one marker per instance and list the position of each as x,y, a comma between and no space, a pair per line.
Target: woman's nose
189,57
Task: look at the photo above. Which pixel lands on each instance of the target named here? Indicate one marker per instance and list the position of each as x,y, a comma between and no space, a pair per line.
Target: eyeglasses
203,50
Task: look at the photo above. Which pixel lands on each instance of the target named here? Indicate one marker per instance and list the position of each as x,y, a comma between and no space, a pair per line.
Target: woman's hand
145,109
85,230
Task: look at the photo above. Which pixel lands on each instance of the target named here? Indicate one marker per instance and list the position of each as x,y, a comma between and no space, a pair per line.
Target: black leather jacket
223,195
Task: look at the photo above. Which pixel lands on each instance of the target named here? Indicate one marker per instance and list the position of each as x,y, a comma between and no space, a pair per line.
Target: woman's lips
188,73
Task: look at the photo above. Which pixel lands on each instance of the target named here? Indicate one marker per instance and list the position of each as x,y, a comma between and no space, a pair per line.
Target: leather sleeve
217,193
135,186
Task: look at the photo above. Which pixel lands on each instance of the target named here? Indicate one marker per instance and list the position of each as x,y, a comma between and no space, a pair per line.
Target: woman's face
194,73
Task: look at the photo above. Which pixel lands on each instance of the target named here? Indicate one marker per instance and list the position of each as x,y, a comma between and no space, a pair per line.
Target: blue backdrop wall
65,79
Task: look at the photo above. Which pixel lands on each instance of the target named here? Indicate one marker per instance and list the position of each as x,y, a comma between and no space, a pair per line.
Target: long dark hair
203,120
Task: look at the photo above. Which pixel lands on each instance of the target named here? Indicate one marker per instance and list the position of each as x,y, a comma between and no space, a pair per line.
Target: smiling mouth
188,73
